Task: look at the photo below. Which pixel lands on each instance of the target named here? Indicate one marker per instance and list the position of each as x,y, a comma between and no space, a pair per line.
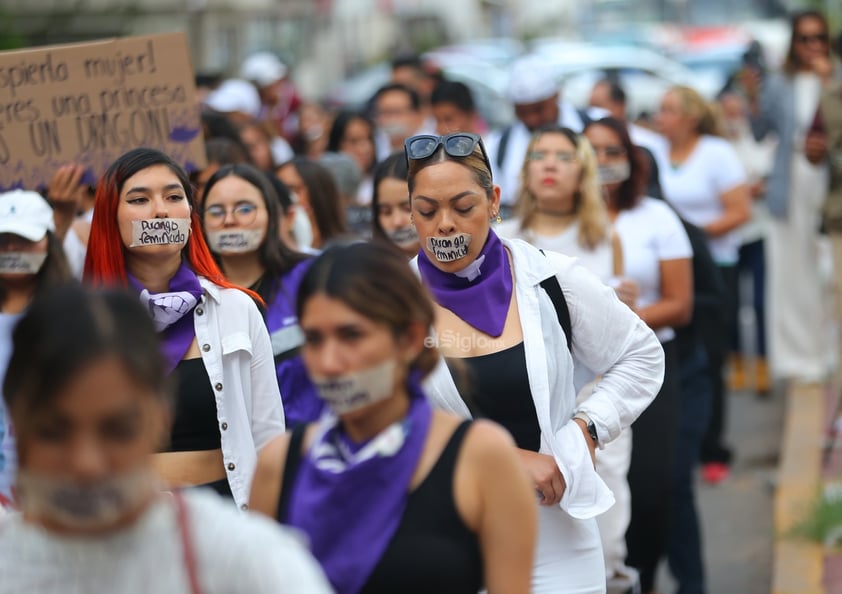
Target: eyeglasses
815,38
612,152
561,156
244,213
458,144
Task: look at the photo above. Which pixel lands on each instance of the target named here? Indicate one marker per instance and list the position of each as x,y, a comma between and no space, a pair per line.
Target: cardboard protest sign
89,103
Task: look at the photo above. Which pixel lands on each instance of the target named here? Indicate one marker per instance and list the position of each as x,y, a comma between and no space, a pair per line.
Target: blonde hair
708,119
589,205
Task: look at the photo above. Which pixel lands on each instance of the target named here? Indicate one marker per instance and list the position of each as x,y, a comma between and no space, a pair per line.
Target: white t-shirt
694,188
234,552
651,233
600,260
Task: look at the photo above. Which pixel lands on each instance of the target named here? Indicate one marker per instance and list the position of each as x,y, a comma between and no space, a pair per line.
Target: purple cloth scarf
482,302
171,312
350,498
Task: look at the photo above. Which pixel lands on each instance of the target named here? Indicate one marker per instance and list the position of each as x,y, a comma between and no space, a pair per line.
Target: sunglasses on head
458,144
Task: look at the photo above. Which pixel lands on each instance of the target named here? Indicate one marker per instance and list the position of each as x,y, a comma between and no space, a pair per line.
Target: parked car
644,74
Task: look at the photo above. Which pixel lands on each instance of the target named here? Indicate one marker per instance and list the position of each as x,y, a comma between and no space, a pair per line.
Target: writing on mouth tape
21,262
448,249
159,232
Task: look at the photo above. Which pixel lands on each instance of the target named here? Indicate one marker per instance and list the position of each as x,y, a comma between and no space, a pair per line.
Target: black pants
651,474
716,339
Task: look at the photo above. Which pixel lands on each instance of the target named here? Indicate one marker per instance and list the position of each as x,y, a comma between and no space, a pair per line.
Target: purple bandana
170,312
301,401
350,498
482,301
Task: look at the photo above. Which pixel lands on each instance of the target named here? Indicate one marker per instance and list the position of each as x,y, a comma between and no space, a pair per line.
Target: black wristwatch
589,424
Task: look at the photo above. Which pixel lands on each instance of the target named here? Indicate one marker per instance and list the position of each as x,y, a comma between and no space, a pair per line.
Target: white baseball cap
263,69
233,95
531,80
25,213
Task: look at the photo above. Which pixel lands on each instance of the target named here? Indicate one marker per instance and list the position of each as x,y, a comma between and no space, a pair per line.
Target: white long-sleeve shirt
609,339
237,354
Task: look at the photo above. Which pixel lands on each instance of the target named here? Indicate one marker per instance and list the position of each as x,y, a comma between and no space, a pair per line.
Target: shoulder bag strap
553,289
186,542
293,461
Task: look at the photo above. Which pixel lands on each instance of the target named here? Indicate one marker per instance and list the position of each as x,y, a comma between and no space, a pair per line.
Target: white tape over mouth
147,232
404,237
451,248
237,241
21,262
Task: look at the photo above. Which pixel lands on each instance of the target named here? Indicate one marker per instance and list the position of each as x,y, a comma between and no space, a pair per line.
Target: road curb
798,564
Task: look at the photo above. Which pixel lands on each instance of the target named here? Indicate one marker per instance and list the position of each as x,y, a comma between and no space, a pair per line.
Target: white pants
612,464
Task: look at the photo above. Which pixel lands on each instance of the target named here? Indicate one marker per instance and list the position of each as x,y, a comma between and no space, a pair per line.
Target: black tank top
498,389
433,550
195,426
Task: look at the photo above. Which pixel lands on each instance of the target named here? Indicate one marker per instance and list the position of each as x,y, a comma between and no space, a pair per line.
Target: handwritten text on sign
89,103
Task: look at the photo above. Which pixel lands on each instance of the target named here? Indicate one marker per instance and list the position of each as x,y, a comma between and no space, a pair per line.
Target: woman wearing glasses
146,236
785,105
499,313
241,218
393,496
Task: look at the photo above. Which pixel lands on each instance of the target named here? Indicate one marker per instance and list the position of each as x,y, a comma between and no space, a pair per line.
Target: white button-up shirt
237,354
609,339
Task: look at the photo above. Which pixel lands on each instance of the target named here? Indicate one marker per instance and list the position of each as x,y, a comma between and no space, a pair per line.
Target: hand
757,189
627,291
823,67
751,81
546,477
815,147
66,190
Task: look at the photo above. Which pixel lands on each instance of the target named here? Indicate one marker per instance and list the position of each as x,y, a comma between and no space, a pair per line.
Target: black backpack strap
293,460
503,146
556,295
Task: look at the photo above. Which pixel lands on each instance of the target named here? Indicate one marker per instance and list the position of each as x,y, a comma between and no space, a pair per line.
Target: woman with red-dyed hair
146,237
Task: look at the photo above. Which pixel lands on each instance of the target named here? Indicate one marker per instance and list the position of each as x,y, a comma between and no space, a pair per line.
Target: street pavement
737,514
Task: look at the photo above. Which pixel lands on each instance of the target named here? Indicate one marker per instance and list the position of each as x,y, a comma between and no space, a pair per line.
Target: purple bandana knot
350,498
481,293
170,312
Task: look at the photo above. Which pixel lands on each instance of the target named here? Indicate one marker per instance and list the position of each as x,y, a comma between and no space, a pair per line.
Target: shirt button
244,507
231,466
218,387
224,426
206,347
200,311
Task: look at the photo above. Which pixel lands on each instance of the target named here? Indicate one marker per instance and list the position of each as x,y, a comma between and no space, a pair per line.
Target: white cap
235,94
26,214
531,80
263,69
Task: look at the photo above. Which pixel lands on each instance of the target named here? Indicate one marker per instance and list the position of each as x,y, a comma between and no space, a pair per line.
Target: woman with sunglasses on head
146,236
88,393
241,224
657,256
785,104
500,312
390,214
392,495
32,262
560,208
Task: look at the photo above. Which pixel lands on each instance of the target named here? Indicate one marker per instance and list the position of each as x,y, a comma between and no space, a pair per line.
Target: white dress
797,310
